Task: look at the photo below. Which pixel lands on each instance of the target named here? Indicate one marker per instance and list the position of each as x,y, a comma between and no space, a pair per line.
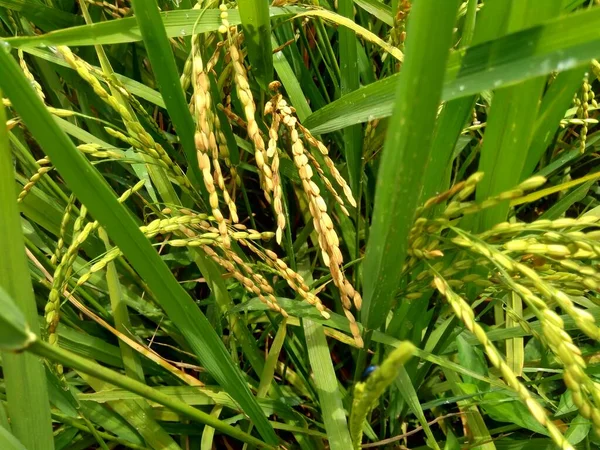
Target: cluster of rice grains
213,232
548,264
267,158
304,161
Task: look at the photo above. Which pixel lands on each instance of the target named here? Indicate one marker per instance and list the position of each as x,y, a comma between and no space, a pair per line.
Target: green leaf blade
405,154
256,24
27,394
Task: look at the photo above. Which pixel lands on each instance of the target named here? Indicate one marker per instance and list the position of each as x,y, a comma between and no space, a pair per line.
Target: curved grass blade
101,201
406,153
8,441
326,383
378,9
47,19
24,376
349,82
556,45
508,131
138,414
56,354
556,101
256,24
176,24
165,71
14,330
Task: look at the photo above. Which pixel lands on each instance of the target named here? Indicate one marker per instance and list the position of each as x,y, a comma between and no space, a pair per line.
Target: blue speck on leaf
368,371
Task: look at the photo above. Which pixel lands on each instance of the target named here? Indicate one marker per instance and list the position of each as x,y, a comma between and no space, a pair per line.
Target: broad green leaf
509,132
163,63
378,9
556,45
349,82
473,359
578,430
176,24
24,376
8,441
46,18
325,379
256,24
503,409
405,155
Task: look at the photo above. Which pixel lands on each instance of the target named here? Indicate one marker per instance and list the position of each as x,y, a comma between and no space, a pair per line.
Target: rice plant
322,224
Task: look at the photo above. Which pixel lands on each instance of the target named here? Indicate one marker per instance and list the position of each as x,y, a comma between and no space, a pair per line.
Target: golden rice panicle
464,312
247,100
224,151
328,161
327,237
63,230
61,274
293,279
585,321
553,331
273,154
137,133
44,168
576,379
30,77
249,284
205,139
217,141
326,181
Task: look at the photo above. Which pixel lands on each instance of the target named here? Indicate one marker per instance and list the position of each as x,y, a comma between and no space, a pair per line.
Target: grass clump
226,211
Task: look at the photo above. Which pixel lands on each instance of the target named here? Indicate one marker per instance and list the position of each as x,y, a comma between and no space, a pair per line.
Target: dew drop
5,46
182,32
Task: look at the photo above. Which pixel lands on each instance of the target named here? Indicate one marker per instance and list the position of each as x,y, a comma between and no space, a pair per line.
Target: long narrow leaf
326,382
176,24
508,132
28,404
559,44
48,19
349,82
406,152
256,24
165,71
